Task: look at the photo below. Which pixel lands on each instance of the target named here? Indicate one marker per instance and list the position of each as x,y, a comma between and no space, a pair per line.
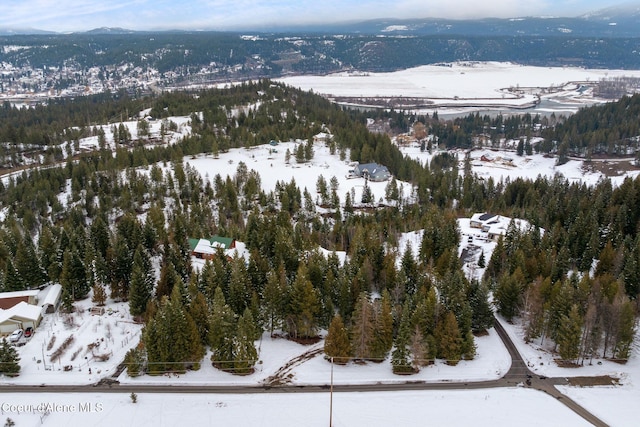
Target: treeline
610,129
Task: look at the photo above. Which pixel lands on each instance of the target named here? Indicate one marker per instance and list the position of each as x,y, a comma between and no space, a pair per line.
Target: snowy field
461,84
436,408
272,168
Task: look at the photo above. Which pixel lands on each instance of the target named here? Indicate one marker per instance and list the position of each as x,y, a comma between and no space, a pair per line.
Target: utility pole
331,397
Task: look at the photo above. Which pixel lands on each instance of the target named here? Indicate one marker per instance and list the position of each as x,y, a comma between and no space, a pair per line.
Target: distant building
496,225
372,172
208,248
322,137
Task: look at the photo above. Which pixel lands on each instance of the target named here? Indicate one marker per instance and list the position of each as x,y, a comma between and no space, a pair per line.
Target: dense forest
99,221
187,52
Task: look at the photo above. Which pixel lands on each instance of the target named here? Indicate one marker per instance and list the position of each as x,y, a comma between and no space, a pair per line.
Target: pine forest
115,222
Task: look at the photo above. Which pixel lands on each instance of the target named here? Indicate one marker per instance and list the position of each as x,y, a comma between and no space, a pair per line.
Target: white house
497,225
20,316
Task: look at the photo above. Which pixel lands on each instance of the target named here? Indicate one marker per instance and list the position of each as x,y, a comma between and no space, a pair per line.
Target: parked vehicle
16,335
28,333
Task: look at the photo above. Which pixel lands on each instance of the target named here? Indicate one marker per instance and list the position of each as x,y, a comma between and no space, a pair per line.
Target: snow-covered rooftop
22,310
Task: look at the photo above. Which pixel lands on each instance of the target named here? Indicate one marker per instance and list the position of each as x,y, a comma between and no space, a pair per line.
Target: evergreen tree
239,292
508,295
337,345
141,287
391,190
121,266
99,296
348,204
274,303
134,361
409,267
300,154
528,149
482,313
9,359
73,276
28,265
199,312
383,323
362,328
449,339
181,252
222,324
569,335
308,150
168,278
626,331
303,307
367,194
245,354
12,280
400,355
47,249
171,338
481,260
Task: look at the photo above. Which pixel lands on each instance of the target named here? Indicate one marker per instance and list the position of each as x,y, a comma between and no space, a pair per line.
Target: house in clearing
372,172
322,137
208,248
496,225
483,220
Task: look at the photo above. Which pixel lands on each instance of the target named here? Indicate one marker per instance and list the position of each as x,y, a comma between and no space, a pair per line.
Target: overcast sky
78,15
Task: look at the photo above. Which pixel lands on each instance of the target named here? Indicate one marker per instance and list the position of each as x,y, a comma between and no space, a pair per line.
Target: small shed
52,299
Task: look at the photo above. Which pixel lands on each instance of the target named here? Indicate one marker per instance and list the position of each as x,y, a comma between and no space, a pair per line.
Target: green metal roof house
207,248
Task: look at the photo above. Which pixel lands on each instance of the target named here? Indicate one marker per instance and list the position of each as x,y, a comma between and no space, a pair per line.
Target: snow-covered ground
615,405
270,163
182,123
494,407
503,164
456,85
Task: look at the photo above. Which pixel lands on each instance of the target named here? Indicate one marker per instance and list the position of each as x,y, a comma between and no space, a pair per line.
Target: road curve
519,369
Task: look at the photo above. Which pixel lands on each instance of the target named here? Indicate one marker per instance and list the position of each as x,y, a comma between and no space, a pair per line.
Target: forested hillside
100,221
271,55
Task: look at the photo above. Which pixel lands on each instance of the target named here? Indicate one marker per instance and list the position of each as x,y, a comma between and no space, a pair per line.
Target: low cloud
75,15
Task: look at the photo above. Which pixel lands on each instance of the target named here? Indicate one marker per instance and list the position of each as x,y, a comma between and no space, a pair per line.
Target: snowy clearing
481,408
